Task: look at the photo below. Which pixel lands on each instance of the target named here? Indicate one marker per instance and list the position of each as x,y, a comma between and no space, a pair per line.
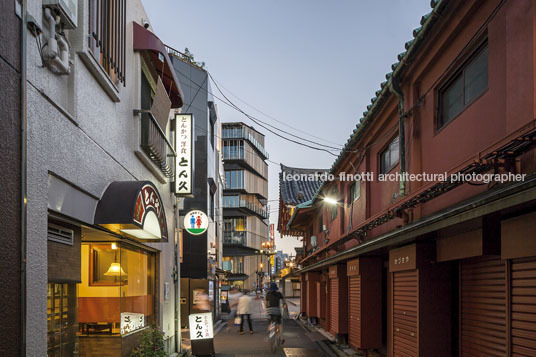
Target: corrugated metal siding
483,307
523,297
354,323
334,306
405,313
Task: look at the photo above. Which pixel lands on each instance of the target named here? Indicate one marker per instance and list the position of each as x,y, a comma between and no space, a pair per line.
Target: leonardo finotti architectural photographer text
397,176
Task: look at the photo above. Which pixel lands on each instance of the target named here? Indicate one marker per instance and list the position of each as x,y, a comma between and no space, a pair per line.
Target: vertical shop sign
201,333
184,124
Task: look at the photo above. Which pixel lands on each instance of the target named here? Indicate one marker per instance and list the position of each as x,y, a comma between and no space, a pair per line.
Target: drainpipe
23,197
394,87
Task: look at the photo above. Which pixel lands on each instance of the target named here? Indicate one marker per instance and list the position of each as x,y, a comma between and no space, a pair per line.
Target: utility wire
253,119
229,103
275,119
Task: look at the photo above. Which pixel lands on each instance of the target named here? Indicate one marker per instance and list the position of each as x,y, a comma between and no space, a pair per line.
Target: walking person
233,297
244,310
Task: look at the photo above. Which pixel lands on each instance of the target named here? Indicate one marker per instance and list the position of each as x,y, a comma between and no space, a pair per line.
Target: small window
389,157
466,86
355,191
335,207
107,36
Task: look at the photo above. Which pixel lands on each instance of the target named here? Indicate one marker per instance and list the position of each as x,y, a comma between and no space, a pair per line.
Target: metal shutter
354,323
334,306
483,307
523,297
405,313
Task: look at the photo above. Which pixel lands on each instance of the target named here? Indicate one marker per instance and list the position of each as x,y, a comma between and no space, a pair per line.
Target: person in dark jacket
274,302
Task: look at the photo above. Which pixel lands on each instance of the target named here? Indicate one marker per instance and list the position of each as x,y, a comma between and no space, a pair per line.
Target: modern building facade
437,265
101,213
201,254
245,213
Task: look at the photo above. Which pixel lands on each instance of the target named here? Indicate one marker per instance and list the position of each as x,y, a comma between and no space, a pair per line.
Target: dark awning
145,40
133,208
236,276
238,251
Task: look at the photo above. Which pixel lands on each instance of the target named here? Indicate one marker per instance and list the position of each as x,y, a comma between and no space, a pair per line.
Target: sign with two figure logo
196,222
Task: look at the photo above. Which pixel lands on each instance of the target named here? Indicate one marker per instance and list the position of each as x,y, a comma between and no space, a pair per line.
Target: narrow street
229,343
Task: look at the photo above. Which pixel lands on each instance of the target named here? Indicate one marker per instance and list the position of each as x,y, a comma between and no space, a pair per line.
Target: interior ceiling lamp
115,270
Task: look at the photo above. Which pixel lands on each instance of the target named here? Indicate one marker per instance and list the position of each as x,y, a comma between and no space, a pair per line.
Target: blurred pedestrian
233,297
244,310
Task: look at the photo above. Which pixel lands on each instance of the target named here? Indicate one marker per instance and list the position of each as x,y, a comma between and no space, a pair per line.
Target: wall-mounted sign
201,326
195,222
131,321
184,124
272,233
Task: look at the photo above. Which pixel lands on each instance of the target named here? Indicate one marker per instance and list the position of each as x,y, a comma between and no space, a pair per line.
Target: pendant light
115,270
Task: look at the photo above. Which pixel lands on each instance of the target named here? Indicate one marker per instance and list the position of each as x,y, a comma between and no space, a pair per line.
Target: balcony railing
155,144
243,238
235,238
241,133
236,203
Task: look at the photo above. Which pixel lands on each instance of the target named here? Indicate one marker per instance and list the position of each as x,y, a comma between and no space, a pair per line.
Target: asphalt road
229,343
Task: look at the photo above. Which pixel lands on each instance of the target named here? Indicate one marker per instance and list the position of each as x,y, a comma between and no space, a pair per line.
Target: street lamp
330,200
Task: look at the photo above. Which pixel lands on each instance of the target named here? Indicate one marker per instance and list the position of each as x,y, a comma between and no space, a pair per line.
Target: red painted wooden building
442,260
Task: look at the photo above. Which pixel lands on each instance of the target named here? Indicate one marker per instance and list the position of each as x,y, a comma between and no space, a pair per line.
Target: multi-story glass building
244,204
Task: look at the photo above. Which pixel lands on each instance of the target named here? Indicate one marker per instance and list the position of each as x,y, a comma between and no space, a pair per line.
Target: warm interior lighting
115,270
114,246
151,228
330,200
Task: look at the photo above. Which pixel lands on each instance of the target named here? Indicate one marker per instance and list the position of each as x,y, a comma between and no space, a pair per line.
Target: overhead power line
275,119
257,121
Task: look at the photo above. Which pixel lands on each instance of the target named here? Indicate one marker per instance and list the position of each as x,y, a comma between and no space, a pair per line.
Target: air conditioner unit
313,241
67,10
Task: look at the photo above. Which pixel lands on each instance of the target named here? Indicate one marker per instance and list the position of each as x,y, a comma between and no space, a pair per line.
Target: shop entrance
115,298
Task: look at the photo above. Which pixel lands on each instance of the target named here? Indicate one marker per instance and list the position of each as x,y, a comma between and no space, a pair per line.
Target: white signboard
183,147
201,326
131,321
196,222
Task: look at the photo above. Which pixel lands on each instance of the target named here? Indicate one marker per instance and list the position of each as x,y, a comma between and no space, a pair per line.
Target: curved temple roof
295,191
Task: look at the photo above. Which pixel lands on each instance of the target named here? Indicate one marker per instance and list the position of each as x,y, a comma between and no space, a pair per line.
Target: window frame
352,196
385,149
439,124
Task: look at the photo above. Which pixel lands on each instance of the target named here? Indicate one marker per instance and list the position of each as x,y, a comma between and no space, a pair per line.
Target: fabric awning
133,208
145,40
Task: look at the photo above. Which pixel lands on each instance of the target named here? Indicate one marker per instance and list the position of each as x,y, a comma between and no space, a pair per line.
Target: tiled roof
412,46
293,192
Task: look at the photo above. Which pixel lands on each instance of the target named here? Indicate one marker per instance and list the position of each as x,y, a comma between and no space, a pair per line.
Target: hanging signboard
196,222
184,165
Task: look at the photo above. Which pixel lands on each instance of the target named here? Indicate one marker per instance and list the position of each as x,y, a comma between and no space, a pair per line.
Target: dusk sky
313,65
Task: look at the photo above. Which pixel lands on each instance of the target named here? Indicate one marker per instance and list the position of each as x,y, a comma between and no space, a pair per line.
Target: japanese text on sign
201,326
401,260
183,147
